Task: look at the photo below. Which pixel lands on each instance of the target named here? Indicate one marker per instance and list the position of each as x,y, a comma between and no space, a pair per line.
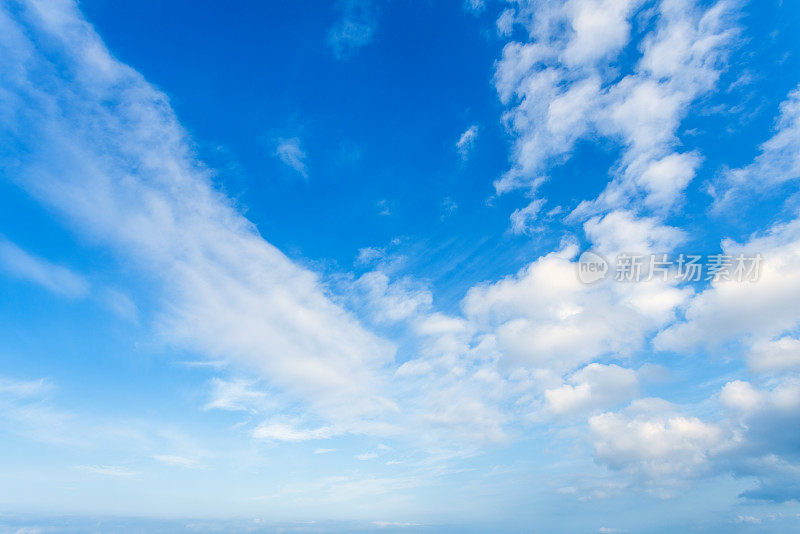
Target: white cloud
474,6
760,315
236,395
659,446
768,449
538,338
285,431
622,232
354,28
292,155
777,162
22,389
50,276
651,439
448,207
730,310
565,85
107,470
664,179
749,401
126,177
600,28
522,219
120,304
29,409
385,207
131,182
505,22
176,461
545,318
593,387
466,142
774,356
369,255
457,410
387,301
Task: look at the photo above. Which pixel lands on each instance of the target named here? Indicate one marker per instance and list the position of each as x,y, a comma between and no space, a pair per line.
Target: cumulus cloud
537,339
774,356
765,414
545,318
768,450
564,85
132,183
761,315
658,445
733,311
653,440
623,232
593,387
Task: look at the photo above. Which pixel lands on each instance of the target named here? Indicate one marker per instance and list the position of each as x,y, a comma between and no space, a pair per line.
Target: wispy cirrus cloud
534,345
177,461
354,28
53,277
466,142
132,183
288,431
292,155
108,470
777,162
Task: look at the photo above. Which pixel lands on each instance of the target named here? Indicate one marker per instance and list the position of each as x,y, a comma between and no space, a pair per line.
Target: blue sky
315,266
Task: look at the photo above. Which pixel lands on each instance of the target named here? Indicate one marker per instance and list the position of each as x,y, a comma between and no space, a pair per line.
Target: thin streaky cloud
292,155
354,29
55,278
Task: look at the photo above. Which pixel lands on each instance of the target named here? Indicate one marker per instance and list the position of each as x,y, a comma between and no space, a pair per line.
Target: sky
399,266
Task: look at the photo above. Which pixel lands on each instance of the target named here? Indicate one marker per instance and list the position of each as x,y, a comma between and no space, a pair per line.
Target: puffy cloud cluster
757,321
653,440
103,148
545,318
770,448
593,387
750,312
565,84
